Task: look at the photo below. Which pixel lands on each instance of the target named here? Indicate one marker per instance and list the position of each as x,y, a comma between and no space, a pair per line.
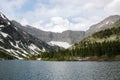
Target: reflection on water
42,70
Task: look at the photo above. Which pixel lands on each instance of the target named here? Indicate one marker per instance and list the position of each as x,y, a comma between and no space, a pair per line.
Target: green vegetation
103,45
107,49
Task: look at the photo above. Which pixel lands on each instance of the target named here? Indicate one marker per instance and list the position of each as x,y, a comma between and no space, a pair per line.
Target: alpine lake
63,70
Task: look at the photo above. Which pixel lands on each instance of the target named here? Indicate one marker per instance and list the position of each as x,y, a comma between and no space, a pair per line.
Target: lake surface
47,70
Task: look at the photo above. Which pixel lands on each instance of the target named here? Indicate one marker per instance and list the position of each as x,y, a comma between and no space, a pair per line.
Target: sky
59,15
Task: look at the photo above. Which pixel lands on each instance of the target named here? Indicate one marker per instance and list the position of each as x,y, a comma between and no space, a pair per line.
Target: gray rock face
67,36
105,24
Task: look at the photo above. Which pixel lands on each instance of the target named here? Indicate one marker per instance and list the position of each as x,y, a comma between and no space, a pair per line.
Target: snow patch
110,22
2,16
12,52
61,44
4,34
1,25
34,48
17,46
1,40
107,22
24,55
43,50
16,28
8,23
38,58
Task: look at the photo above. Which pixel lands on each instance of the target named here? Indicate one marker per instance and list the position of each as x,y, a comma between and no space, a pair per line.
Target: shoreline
76,59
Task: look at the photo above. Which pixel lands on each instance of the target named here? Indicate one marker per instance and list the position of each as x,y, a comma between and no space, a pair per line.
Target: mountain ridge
47,36
102,25
69,36
19,44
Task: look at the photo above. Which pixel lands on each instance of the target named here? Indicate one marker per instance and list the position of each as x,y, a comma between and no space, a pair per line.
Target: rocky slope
104,24
16,43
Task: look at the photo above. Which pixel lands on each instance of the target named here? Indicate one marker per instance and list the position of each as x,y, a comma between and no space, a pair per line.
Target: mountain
104,24
100,46
103,45
69,37
110,34
18,44
25,42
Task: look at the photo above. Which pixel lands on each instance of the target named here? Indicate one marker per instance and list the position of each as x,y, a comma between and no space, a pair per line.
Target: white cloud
9,7
12,3
89,6
113,8
59,24
59,21
64,10
60,15
56,24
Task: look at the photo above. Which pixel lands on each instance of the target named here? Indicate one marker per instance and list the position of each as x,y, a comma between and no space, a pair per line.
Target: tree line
106,48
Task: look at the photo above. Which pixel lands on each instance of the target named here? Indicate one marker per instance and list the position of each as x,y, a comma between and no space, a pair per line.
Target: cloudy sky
59,15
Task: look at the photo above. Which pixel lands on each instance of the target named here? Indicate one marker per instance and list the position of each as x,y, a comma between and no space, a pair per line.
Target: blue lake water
50,70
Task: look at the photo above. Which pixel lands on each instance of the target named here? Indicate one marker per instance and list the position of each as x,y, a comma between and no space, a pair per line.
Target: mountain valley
27,42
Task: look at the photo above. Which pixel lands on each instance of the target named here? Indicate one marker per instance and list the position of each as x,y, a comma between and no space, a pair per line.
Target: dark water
42,70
